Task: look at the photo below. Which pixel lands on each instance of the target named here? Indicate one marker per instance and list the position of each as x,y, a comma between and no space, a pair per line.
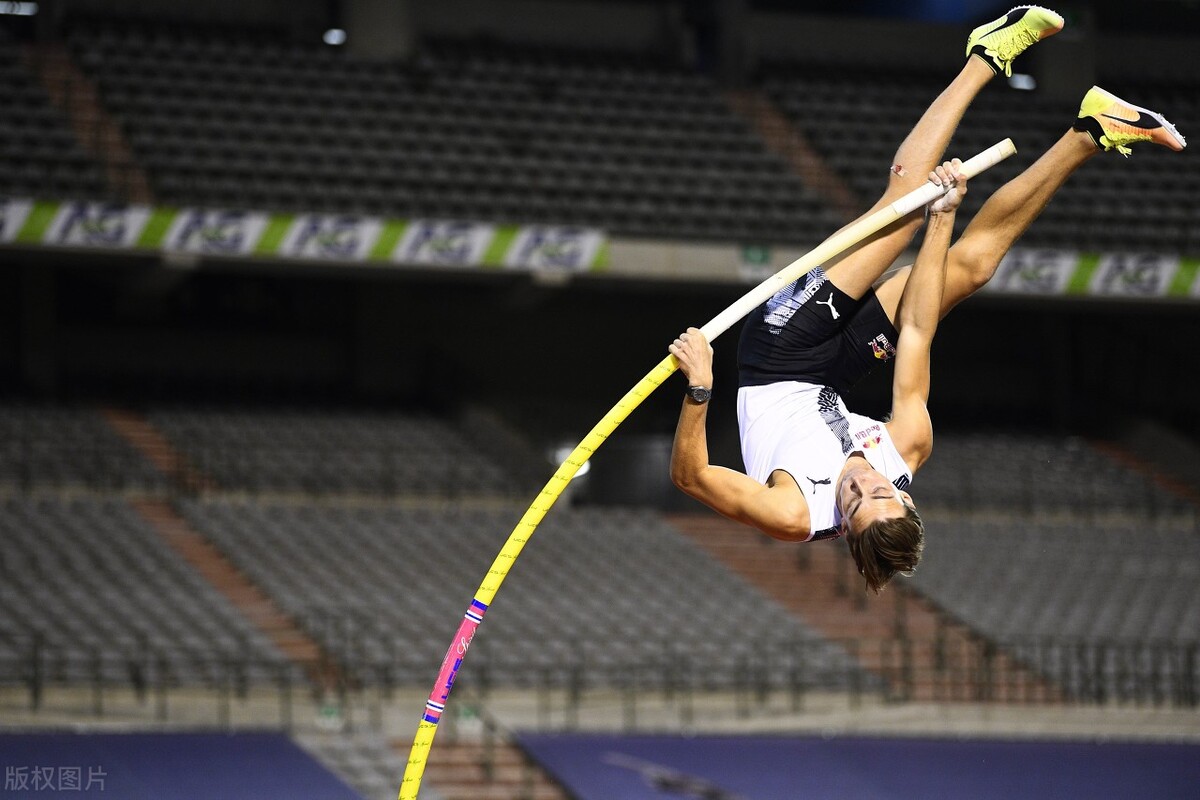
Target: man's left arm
917,320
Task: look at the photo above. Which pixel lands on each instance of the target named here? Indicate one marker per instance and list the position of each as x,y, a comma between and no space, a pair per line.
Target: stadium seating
1101,581
329,452
61,446
610,140
1092,212
375,582
1104,609
1031,474
500,133
40,156
488,132
88,582
604,589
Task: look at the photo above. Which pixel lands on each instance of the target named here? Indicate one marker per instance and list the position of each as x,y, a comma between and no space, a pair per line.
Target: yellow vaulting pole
831,247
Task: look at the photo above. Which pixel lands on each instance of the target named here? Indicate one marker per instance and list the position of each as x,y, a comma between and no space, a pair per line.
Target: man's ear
907,498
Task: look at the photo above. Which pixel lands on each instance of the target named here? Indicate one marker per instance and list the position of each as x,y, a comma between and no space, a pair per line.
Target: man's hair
888,546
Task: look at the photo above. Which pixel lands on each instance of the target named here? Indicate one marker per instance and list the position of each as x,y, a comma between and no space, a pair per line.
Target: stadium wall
553,358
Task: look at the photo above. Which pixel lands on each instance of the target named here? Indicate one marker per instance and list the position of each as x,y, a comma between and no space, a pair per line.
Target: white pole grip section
847,238
970,168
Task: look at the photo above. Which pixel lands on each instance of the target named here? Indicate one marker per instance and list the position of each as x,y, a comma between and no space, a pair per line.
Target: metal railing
951,663
779,675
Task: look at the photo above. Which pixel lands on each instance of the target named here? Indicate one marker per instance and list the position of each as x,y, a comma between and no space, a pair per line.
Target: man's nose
864,483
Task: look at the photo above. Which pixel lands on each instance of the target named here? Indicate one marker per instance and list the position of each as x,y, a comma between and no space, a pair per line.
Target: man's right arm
778,510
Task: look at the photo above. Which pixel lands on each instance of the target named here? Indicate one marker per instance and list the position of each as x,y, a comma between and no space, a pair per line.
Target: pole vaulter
844,239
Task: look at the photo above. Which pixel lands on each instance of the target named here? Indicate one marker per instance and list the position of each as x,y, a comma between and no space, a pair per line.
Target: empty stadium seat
39,155
440,128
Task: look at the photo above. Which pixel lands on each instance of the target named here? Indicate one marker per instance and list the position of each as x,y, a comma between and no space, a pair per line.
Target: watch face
699,393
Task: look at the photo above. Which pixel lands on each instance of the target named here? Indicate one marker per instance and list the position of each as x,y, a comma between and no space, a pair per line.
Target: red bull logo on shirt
869,437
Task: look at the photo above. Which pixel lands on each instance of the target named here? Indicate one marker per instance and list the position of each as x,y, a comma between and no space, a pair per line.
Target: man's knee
975,265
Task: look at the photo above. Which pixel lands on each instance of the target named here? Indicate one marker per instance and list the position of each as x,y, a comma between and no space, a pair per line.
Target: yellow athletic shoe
1002,40
1114,124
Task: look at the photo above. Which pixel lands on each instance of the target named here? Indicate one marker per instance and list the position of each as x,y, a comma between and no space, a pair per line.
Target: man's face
866,495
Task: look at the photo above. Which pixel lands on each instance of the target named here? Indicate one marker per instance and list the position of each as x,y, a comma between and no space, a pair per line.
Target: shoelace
1012,46
1120,148
1122,138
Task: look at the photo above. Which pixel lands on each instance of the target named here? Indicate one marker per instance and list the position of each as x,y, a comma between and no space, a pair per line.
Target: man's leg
991,49
859,267
1006,215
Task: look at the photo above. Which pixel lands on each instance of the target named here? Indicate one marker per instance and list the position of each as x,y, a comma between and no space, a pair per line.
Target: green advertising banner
354,239
344,238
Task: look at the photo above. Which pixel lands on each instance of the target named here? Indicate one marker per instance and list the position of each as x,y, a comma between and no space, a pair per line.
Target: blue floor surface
168,766
864,768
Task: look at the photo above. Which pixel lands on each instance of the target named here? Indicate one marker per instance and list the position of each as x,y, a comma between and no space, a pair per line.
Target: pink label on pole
436,703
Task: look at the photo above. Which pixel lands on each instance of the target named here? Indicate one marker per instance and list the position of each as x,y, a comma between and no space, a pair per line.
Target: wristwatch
699,394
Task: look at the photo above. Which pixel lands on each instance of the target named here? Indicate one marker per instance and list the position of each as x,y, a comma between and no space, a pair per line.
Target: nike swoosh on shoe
1144,121
1008,20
